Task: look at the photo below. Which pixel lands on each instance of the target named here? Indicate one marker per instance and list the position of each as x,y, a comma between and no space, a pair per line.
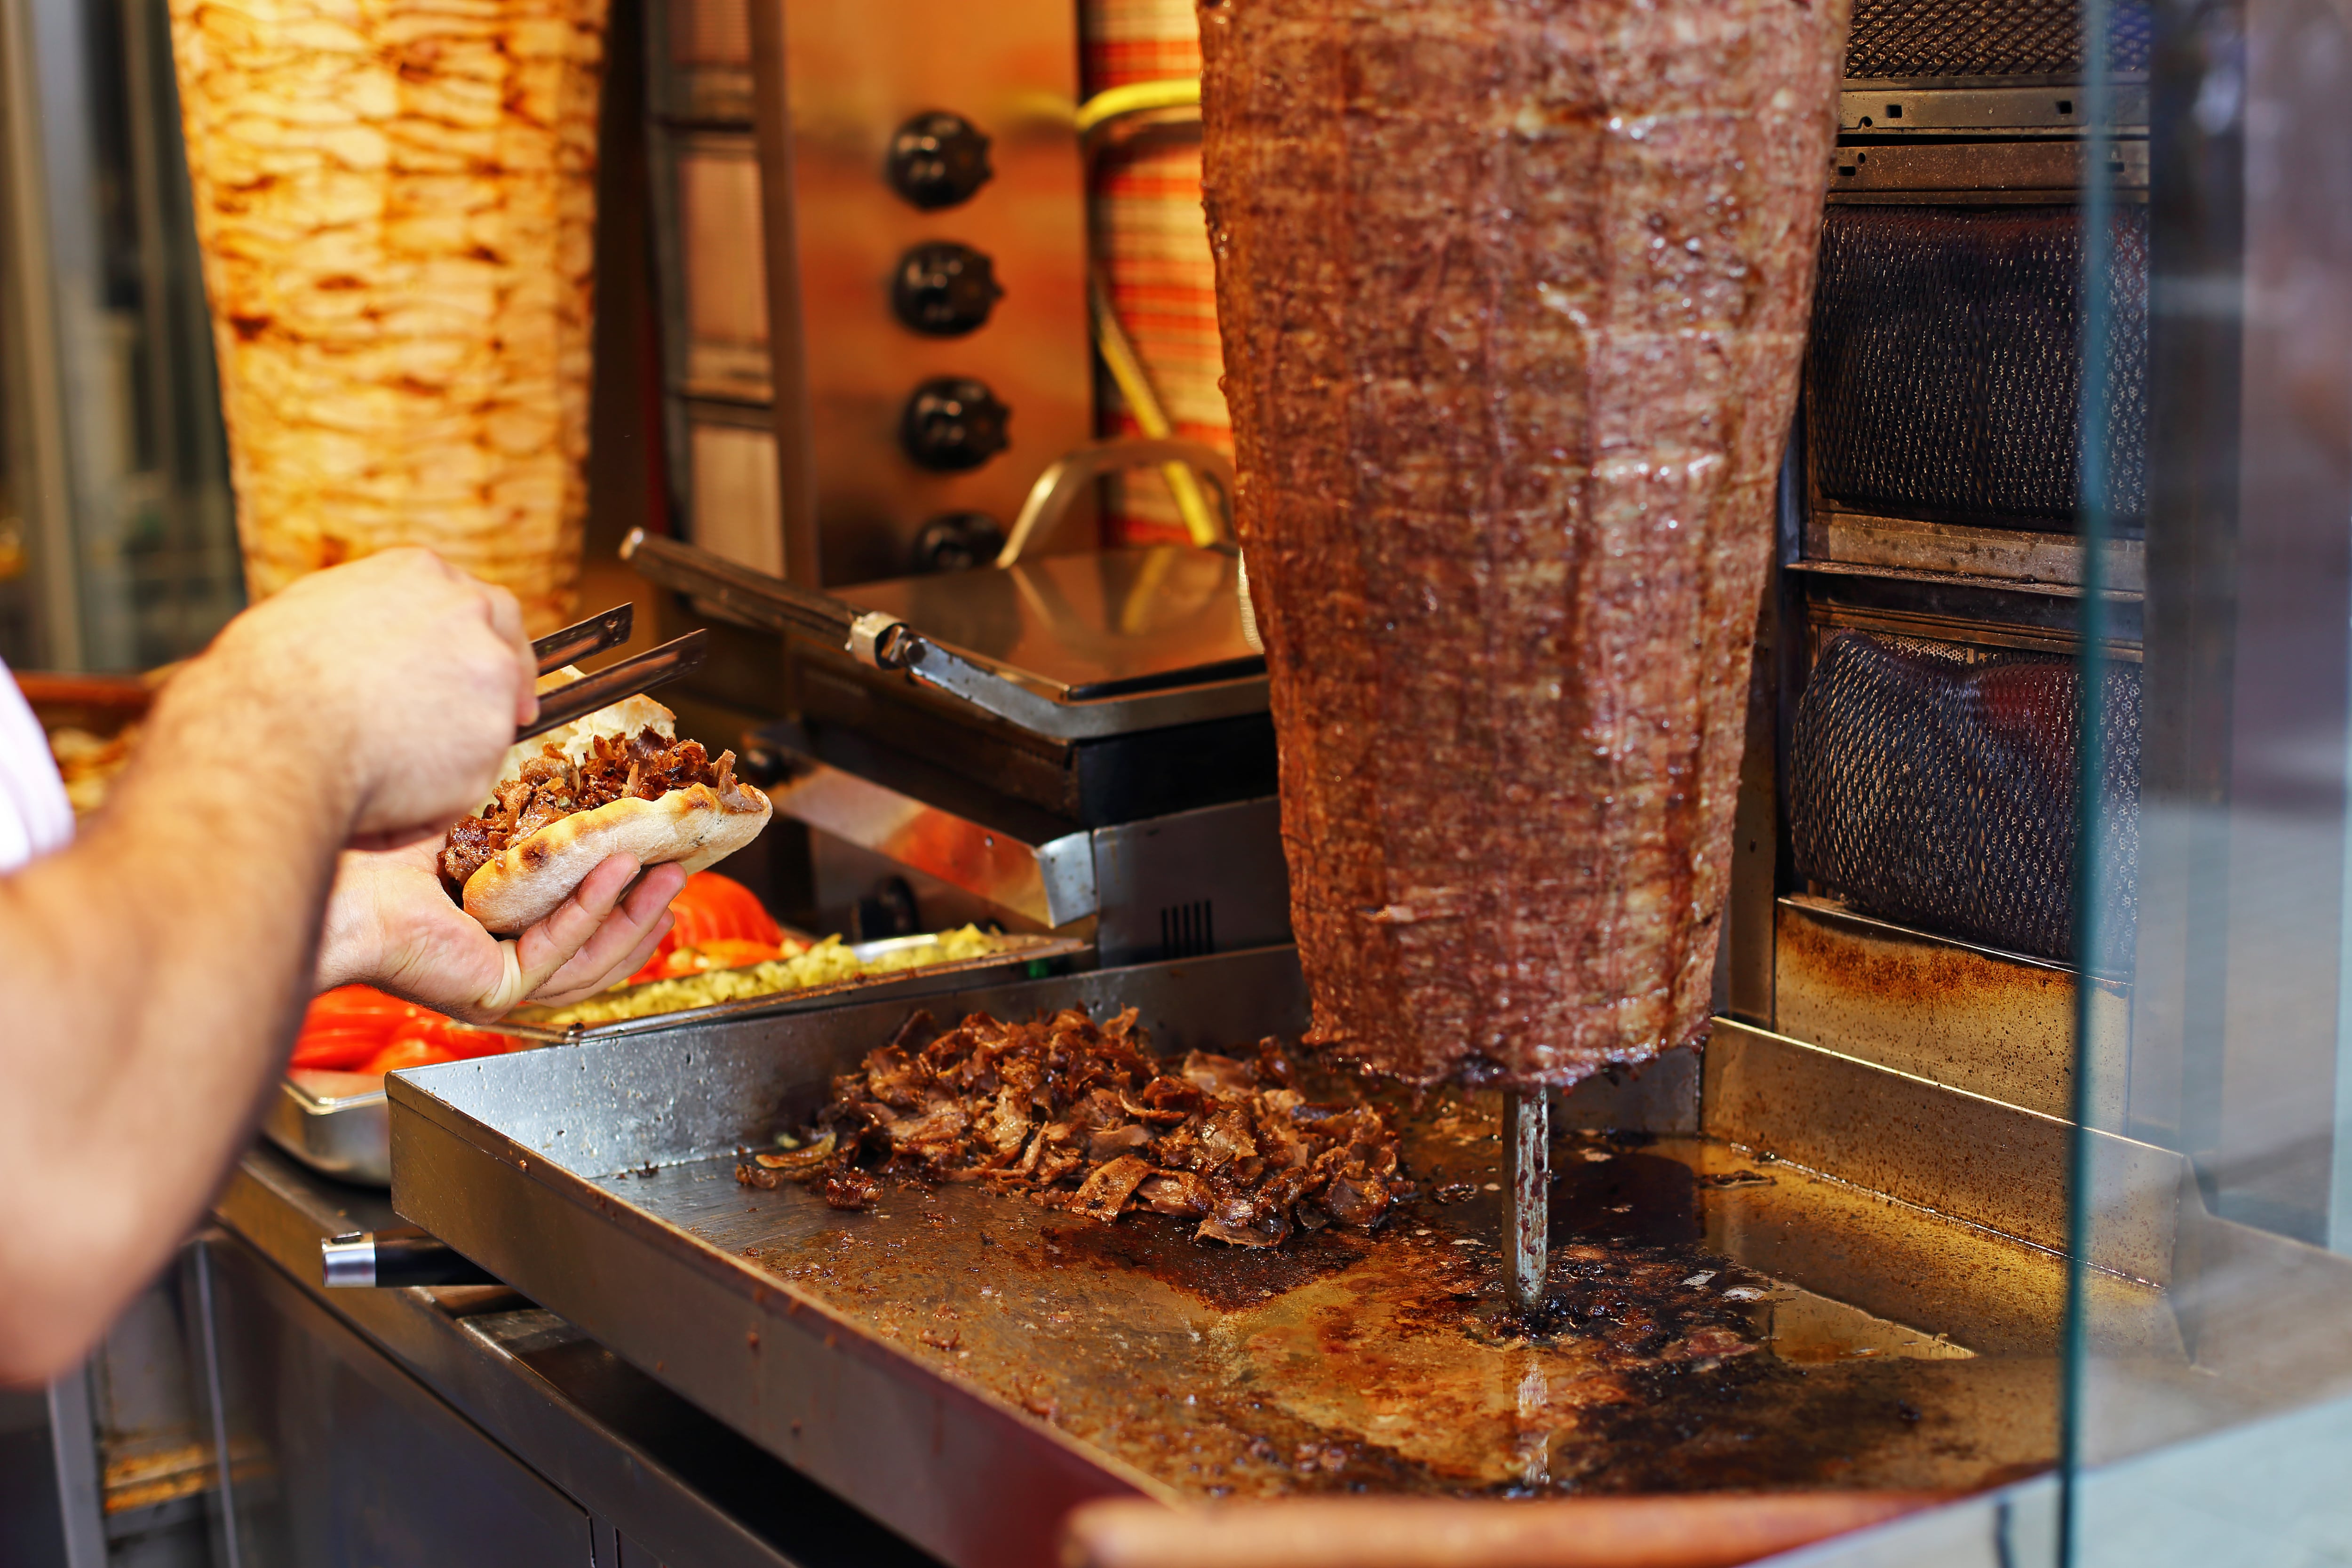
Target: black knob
764,764
889,910
953,423
958,540
944,289
938,159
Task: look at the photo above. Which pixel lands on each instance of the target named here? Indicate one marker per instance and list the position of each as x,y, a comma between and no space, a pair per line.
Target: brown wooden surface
98,703
1709,1530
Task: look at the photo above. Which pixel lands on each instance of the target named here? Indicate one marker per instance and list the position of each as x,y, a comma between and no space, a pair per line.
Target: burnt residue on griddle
1389,1361
1638,1198
1753,1423
1227,1279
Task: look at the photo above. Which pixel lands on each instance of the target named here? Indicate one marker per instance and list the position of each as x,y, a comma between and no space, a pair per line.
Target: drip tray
1671,1356
966,1366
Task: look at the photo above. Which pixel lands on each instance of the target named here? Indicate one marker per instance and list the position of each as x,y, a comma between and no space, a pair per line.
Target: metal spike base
1527,1202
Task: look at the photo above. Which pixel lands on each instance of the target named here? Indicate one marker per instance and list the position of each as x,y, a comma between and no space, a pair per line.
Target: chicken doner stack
396,202
1512,295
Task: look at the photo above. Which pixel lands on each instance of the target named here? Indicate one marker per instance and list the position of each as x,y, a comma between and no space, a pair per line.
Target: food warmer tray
966,1366
334,1122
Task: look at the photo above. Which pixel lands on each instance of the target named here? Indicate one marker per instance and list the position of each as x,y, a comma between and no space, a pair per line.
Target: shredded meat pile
1086,1118
551,787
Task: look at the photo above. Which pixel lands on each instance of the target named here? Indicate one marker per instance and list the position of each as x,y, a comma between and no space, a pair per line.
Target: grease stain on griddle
1672,1354
1228,1279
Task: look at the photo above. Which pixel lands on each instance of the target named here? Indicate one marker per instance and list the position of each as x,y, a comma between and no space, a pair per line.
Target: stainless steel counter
458,1425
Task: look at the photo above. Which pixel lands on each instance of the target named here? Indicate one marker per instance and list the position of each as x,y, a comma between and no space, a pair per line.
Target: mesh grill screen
1935,787
1944,375
1986,37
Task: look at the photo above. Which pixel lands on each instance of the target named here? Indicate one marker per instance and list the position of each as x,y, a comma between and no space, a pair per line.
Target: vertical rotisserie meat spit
1512,296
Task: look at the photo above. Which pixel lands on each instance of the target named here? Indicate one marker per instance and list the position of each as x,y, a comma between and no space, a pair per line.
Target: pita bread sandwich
619,781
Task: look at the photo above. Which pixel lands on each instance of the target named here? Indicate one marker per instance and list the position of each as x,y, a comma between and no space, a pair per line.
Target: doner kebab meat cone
1512,295
395,201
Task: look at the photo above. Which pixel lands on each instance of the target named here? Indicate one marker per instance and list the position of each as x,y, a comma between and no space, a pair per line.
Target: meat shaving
551,787
1084,1117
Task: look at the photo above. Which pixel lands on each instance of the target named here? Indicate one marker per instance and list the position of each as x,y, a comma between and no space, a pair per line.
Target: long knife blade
594,635
611,685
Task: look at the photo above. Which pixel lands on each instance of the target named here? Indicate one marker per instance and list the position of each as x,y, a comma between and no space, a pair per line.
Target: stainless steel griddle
965,1366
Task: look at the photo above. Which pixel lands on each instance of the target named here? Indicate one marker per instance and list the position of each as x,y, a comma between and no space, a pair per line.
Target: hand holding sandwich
155,969
390,924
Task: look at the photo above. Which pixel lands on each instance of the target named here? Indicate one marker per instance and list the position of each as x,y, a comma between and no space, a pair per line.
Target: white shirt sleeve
35,816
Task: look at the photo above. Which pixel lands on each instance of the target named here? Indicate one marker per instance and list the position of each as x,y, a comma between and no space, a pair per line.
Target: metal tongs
614,684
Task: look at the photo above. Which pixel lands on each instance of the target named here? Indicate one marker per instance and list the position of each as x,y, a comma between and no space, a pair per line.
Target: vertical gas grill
1919,689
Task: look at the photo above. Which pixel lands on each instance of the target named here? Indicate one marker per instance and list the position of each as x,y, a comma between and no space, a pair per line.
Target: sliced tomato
710,907
336,1050
358,1001
408,1051
354,1028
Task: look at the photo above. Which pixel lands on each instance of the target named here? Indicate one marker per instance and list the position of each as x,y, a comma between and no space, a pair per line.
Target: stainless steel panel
1990,1023
1221,866
356,1461
1956,1153
724,269
679,1487
702,69
1209,880
1050,881
730,483
1891,107
2051,168
1966,551
837,78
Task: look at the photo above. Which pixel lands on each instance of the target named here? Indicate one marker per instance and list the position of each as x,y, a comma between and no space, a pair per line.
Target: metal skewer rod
1526,1203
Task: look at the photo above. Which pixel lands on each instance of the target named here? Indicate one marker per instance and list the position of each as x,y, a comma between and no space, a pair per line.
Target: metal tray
335,1121
967,1366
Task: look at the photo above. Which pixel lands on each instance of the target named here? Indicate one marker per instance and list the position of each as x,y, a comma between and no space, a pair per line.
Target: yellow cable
1201,524
1137,98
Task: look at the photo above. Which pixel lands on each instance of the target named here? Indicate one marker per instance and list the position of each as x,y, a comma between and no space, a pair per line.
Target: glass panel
2219,1429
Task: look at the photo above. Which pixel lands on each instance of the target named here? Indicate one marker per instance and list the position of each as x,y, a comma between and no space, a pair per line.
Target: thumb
513,984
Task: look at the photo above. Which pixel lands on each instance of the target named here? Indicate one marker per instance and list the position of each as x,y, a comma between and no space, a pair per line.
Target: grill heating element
1935,787
1945,372
1900,39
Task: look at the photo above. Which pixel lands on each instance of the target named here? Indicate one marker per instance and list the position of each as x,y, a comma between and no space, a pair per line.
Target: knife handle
394,1260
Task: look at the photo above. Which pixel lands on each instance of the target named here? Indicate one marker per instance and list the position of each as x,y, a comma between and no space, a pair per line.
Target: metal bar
747,593
1128,369
625,679
203,1336
36,362
1527,1205
73,1438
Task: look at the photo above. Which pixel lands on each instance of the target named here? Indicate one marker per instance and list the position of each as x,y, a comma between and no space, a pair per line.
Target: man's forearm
153,974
